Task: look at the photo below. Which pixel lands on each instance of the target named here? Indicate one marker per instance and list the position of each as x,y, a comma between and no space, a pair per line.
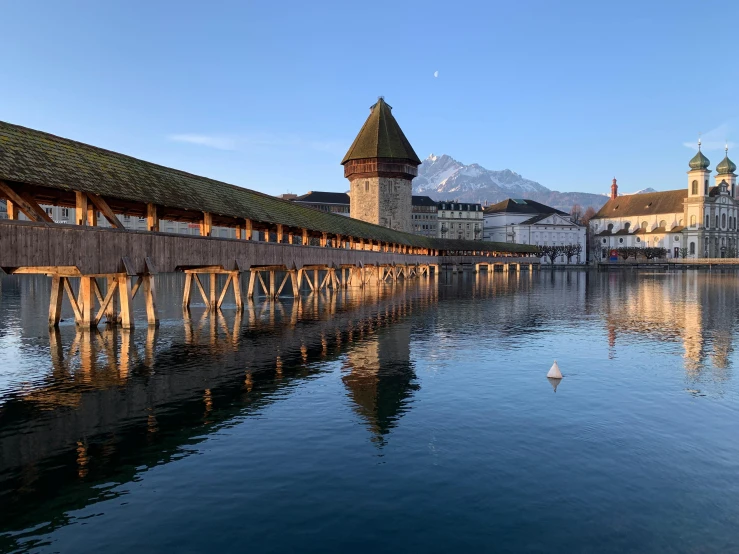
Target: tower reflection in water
115,402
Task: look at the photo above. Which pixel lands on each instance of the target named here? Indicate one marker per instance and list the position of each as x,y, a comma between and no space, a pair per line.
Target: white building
698,221
459,220
524,221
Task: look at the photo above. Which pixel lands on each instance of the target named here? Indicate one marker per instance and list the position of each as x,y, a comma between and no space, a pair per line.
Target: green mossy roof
38,158
726,167
381,137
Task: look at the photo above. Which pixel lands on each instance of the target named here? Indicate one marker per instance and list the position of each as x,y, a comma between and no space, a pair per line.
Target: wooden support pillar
57,295
92,215
305,237
206,225
212,301
80,211
236,284
249,229
187,295
290,238
315,280
296,286
85,302
252,282
152,220
12,209
266,235
125,301
150,299
279,233
324,240
272,277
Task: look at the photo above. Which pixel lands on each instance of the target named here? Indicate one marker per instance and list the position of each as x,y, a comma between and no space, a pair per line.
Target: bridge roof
37,158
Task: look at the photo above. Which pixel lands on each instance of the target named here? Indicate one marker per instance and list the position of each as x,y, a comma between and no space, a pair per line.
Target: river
412,417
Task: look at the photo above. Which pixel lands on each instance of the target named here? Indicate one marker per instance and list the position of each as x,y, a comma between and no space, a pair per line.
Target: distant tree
550,251
570,250
576,214
624,252
653,252
588,215
683,252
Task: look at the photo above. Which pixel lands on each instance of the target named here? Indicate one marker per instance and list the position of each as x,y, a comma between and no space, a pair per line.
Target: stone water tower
380,166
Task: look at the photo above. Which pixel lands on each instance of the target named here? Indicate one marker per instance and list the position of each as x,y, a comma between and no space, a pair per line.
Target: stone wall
383,201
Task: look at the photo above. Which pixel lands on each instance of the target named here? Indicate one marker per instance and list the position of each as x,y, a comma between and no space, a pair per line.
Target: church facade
698,221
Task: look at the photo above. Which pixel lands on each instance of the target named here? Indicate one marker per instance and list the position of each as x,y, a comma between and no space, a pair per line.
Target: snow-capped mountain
444,178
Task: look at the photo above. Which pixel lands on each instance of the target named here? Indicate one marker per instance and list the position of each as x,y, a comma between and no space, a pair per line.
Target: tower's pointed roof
381,137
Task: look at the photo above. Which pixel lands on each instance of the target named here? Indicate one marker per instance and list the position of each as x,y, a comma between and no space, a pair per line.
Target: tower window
366,186
706,188
708,221
695,188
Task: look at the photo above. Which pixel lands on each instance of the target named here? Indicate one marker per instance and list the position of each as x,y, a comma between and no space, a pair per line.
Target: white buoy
554,372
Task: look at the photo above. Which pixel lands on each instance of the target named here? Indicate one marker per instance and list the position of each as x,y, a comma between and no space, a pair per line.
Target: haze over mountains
444,178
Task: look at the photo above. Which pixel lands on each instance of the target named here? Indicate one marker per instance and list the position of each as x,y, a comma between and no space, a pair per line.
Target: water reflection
116,402
696,310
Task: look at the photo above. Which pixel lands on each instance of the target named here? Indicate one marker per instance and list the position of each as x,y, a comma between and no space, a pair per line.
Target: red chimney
614,189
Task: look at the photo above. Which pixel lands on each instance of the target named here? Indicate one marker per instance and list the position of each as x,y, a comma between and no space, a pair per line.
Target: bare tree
570,250
576,214
683,252
550,251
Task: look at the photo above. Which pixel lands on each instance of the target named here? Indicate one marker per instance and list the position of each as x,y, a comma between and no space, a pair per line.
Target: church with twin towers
698,220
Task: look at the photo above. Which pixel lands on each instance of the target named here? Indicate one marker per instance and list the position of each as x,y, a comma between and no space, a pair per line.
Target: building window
638,239
706,188
65,213
677,237
644,225
692,221
695,187
708,221
663,224
717,221
604,241
692,248
621,241
723,221
366,186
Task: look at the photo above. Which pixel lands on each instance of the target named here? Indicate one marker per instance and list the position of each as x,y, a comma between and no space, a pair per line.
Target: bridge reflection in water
114,402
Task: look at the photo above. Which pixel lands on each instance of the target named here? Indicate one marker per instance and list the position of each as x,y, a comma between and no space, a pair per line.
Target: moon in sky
436,73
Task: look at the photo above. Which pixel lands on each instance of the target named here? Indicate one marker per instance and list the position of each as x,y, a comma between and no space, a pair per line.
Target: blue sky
269,95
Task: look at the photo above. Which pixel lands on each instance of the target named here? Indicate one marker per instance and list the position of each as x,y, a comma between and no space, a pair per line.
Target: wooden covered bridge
276,241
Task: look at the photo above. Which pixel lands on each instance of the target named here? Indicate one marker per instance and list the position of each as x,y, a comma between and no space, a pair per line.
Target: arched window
708,222
716,221
643,224
626,226
610,227
723,221
692,248
694,190
706,188
663,224
692,221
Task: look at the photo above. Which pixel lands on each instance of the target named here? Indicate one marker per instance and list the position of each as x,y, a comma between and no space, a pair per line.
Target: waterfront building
524,221
459,220
331,202
380,166
425,216
697,221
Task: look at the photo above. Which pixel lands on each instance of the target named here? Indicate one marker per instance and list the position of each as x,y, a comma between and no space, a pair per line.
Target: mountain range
444,178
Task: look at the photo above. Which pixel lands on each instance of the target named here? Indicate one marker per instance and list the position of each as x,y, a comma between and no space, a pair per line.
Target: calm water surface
412,418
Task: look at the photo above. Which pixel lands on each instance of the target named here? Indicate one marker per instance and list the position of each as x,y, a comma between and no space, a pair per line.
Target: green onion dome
699,161
726,167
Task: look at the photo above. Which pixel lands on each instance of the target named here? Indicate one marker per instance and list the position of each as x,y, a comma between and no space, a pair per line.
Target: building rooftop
522,206
381,137
649,203
423,201
459,206
319,197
